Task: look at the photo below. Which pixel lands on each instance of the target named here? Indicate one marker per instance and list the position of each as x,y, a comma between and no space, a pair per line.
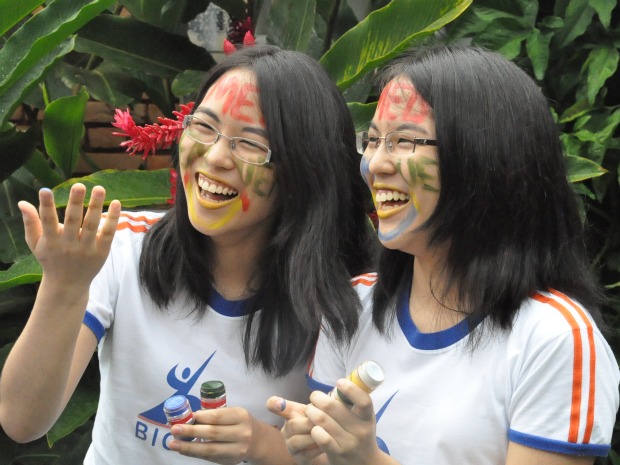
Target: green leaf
137,45
537,46
604,8
12,244
577,18
291,23
580,169
134,188
13,12
15,149
578,109
165,14
25,270
37,37
187,82
39,167
63,130
362,114
12,96
385,33
106,83
81,406
602,63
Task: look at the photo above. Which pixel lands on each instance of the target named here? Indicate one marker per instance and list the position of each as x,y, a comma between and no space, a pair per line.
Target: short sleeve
565,388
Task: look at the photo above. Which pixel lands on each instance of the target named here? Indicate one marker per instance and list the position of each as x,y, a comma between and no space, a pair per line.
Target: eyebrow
403,127
251,129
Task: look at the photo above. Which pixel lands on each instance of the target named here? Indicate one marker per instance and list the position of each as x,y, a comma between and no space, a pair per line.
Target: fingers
285,408
47,212
32,224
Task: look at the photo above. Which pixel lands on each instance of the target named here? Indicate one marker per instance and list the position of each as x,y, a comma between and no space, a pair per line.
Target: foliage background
58,54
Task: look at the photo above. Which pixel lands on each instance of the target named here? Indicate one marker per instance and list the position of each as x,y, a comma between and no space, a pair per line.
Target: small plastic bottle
179,412
368,375
212,395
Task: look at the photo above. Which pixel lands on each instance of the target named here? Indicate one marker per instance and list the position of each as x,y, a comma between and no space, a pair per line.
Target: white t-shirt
147,356
551,383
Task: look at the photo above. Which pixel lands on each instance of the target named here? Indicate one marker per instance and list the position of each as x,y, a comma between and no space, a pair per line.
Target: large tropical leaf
42,33
384,34
580,169
134,188
291,23
139,46
63,130
11,96
81,406
25,270
13,12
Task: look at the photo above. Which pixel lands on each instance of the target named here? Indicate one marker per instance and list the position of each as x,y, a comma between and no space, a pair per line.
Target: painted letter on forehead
400,101
238,95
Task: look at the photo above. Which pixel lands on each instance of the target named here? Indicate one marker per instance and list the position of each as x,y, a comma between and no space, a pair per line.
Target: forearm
34,381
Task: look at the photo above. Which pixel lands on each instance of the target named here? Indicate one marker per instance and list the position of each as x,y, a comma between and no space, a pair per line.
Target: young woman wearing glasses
230,284
484,310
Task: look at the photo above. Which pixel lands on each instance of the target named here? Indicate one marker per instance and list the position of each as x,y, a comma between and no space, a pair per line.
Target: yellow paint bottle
368,375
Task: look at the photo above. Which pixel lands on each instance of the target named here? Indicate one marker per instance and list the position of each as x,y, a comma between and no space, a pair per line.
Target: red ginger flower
148,138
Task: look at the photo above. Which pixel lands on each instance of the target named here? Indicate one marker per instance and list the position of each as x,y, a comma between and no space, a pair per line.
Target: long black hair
320,238
506,213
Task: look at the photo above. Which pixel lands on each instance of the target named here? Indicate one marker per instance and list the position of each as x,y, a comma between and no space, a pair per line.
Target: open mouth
213,191
390,199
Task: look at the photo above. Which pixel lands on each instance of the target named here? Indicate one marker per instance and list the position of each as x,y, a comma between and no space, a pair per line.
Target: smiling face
405,188
227,198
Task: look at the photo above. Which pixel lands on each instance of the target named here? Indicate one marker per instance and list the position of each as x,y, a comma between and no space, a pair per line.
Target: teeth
382,197
213,188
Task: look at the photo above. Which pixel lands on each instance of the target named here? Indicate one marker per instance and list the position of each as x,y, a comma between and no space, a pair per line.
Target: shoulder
138,222
553,313
364,285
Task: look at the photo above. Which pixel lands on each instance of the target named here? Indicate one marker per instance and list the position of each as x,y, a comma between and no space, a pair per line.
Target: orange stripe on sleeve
144,219
367,279
137,228
573,431
592,387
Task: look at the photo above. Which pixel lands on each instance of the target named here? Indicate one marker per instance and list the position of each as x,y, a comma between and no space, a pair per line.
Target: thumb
286,409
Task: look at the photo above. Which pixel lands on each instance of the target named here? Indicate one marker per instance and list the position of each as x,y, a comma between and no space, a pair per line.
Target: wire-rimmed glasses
247,150
396,142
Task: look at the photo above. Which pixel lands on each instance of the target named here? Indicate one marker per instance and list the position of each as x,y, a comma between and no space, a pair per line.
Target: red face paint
237,97
186,178
398,101
245,201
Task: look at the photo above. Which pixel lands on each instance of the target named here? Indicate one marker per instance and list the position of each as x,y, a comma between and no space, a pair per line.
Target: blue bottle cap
175,403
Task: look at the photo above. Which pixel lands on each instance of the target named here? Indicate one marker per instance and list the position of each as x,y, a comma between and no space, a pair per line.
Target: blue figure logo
182,385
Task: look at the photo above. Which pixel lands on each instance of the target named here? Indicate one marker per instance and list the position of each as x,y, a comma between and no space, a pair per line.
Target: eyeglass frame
231,140
389,146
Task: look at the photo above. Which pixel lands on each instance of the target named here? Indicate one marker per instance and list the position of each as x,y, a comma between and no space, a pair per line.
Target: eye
203,128
405,143
373,140
248,145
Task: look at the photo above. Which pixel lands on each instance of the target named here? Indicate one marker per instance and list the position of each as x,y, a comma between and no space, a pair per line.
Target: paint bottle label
179,412
368,375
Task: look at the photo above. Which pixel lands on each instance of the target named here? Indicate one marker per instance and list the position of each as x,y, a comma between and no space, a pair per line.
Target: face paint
404,187
224,194
238,98
400,100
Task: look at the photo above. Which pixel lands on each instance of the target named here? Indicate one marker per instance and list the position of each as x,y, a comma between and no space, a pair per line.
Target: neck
430,306
235,267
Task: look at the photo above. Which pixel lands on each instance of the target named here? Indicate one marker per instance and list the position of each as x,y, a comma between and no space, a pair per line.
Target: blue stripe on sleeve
560,447
314,385
94,325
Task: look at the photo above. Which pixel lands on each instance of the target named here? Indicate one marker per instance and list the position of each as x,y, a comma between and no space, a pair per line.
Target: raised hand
73,252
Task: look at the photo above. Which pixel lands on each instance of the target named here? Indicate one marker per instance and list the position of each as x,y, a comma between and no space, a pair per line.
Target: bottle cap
175,404
371,373
212,389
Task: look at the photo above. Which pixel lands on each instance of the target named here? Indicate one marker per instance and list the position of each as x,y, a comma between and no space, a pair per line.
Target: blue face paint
402,227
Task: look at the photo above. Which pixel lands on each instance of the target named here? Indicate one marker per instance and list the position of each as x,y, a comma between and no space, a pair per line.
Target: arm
230,435
54,346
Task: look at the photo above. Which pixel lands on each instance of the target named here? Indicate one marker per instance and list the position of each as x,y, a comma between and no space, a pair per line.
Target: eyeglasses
247,150
397,143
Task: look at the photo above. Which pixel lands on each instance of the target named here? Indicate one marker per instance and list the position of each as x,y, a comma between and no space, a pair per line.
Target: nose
381,162
218,154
